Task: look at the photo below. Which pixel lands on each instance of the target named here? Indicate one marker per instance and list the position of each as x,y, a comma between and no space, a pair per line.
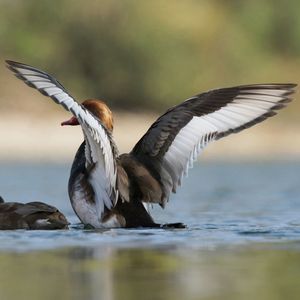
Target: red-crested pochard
109,190
31,215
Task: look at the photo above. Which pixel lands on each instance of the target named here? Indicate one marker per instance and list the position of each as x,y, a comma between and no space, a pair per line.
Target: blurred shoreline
30,138
135,56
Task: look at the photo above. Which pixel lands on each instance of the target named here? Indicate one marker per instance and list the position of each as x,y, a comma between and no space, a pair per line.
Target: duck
108,189
31,216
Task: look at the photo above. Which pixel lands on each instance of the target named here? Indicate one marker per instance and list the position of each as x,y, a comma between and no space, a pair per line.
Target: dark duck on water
110,190
31,215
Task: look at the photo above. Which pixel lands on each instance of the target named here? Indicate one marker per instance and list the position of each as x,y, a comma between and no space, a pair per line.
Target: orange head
99,109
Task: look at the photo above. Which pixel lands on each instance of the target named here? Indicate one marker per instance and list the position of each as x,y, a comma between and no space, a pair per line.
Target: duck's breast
82,194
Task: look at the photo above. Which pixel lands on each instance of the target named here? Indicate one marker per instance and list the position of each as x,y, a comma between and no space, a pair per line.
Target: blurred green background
153,54
145,56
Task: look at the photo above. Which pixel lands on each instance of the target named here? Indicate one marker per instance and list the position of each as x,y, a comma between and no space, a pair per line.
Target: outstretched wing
176,139
100,148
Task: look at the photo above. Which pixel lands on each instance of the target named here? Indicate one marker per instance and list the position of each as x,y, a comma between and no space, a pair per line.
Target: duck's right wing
177,138
100,151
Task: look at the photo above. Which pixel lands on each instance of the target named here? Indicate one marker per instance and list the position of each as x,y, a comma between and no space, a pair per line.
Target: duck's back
32,215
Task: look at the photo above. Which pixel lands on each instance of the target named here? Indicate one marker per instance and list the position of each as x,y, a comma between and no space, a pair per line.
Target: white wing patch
200,131
186,147
99,154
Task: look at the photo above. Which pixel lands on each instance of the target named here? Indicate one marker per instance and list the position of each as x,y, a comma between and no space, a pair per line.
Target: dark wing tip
288,88
17,64
10,64
269,86
15,67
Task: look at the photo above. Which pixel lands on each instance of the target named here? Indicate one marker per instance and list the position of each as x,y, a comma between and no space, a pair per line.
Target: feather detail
100,151
177,138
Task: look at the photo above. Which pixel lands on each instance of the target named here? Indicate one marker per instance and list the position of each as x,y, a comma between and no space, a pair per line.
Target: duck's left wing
101,151
176,139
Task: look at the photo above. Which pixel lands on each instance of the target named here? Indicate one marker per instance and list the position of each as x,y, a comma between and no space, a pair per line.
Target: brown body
134,181
32,215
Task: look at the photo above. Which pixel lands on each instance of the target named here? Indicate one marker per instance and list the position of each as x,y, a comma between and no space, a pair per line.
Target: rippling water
242,240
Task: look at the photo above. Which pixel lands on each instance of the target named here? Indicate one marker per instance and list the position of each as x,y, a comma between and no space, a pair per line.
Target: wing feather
176,139
100,148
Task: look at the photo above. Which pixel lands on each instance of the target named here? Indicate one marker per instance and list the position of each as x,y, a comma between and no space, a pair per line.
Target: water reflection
256,272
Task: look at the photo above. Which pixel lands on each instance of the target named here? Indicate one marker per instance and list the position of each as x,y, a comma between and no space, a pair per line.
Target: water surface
242,240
